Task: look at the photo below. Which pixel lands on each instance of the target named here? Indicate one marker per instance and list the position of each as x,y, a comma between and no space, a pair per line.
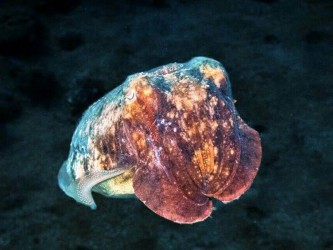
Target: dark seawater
58,57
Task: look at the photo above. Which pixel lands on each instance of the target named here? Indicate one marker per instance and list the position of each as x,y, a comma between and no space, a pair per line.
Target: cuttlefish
170,136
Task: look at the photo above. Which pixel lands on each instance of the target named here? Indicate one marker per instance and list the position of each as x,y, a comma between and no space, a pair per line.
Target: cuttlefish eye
170,136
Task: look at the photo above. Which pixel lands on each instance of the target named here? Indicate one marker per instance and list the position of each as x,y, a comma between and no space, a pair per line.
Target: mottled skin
174,136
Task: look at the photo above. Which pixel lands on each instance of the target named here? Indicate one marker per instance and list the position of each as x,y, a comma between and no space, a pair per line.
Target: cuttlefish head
99,159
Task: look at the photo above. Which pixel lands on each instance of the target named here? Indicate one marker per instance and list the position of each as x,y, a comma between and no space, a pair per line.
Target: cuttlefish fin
155,190
250,158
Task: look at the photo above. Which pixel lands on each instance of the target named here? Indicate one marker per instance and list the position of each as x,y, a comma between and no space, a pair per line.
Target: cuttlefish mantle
170,136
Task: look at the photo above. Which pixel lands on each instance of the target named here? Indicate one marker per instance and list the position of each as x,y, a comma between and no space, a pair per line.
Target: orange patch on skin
139,140
204,157
216,74
214,125
186,95
143,107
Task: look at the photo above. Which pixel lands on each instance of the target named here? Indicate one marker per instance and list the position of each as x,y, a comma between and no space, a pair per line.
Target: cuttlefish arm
81,189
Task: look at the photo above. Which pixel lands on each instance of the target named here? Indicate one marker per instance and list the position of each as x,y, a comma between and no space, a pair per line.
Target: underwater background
58,57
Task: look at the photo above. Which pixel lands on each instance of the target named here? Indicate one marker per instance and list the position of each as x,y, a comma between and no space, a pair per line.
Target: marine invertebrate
171,136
